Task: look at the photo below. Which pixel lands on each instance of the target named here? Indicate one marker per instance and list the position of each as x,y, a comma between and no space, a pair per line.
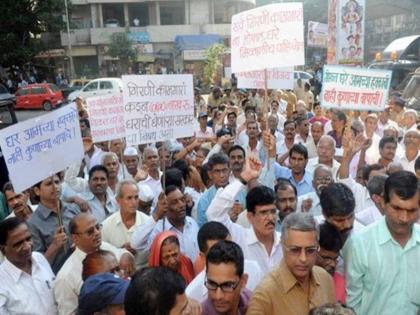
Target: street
27,114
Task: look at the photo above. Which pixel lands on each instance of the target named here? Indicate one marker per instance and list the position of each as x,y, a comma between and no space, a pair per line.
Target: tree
121,47
21,23
214,63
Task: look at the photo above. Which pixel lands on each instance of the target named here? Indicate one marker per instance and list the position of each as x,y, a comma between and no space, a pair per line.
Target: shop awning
196,42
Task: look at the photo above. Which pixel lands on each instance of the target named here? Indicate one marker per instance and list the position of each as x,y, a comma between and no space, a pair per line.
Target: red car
37,96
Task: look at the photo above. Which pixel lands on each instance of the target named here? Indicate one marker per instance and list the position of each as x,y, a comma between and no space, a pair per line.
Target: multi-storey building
160,30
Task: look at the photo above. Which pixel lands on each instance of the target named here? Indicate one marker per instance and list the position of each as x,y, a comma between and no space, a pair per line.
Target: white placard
355,88
40,147
268,37
106,117
317,34
281,78
158,107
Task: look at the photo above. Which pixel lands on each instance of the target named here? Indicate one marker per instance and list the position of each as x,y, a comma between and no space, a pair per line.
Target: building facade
153,26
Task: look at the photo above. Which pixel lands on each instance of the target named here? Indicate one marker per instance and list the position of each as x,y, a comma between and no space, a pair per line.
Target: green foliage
213,62
21,23
121,47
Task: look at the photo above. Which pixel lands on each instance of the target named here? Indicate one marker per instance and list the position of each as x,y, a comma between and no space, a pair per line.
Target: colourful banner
332,32
40,147
355,88
158,107
281,78
106,117
350,31
267,37
317,34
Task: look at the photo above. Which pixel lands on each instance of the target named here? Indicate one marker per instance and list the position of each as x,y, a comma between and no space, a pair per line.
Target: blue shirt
207,198
382,277
305,184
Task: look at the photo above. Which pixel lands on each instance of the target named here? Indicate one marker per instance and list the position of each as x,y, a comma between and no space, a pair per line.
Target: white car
97,87
304,76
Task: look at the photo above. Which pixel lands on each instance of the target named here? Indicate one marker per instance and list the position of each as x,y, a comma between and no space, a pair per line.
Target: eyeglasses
267,213
296,250
90,231
225,287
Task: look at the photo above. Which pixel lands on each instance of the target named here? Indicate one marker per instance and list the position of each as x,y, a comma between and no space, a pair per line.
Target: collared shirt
155,185
245,237
408,165
206,199
206,134
244,297
316,208
98,210
305,184
382,277
44,224
21,293
309,144
360,193
145,233
116,233
197,290
368,215
69,279
314,163
281,293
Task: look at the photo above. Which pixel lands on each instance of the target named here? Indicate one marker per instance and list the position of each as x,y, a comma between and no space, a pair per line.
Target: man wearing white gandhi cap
131,160
145,198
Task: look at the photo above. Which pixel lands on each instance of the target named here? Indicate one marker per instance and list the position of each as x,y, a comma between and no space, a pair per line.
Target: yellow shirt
281,294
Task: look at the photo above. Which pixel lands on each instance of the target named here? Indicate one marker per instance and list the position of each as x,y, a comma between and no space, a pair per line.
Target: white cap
145,193
130,151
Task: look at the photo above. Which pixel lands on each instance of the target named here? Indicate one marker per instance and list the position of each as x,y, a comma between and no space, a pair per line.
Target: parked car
7,118
5,95
74,85
39,96
96,87
412,92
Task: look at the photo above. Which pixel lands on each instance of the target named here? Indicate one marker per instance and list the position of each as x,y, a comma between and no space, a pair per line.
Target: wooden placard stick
265,111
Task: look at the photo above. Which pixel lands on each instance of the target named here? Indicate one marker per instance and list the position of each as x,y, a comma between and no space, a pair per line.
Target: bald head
317,131
326,150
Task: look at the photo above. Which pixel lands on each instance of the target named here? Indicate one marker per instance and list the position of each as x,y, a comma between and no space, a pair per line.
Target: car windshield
53,87
5,116
413,88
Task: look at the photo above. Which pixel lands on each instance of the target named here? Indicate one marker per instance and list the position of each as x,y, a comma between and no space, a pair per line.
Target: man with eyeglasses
86,235
310,202
226,280
260,242
297,285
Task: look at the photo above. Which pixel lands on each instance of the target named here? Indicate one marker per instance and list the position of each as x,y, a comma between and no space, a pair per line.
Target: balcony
77,37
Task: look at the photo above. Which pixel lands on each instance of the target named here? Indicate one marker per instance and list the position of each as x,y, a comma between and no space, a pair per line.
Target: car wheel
47,105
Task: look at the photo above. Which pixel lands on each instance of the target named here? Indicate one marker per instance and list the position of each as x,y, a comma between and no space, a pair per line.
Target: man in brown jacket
297,285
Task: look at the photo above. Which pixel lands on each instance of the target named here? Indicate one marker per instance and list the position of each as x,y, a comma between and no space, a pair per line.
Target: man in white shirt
176,220
326,153
273,126
151,162
303,136
384,122
208,235
410,120
371,124
373,213
203,131
86,234
261,242
118,228
26,277
412,145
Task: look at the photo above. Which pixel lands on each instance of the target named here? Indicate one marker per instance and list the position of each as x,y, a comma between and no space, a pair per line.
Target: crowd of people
274,206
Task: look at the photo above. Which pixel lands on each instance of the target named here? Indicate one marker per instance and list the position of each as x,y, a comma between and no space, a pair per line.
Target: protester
165,252
225,271
26,277
381,260
296,285
17,202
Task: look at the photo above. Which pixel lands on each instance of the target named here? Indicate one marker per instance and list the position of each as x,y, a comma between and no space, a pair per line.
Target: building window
113,14
172,13
138,14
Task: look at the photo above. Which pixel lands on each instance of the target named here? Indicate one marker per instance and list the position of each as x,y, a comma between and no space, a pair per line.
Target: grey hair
323,167
299,221
332,309
121,184
108,155
329,138
149,149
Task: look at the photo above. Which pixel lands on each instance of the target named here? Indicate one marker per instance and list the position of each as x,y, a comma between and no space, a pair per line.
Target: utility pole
69,41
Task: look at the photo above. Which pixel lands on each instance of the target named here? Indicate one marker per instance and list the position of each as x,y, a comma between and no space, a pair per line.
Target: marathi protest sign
317,34
106,117
40,147
158,107
280,78
267,37
350,31
355,88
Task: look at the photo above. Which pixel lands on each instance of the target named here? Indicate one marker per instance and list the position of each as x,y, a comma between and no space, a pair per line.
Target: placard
40,147
280,78
355,88
158,107
267,37
106,117
317,34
